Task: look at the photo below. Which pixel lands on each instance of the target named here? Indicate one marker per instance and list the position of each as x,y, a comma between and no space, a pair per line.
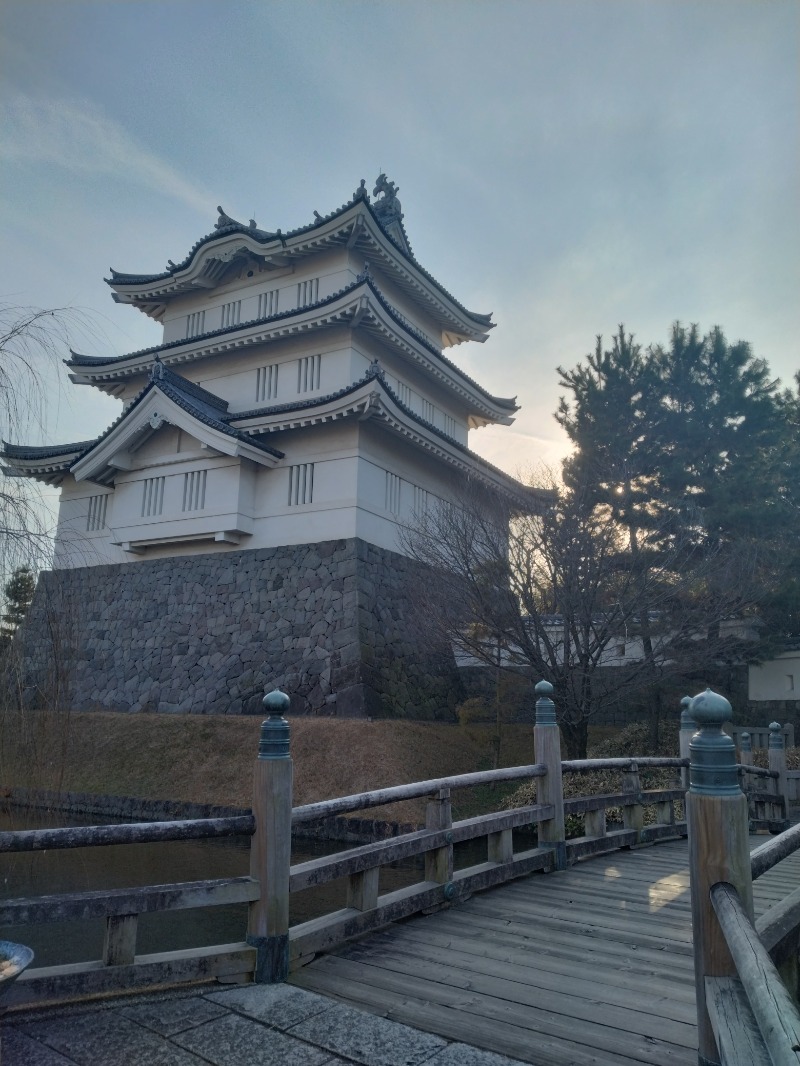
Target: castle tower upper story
303,391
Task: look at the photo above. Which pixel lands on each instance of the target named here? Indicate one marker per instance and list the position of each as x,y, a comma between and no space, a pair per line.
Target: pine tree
19,593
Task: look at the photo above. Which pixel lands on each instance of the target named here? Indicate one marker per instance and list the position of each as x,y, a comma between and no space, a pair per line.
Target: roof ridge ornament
388,207
225,220
157,370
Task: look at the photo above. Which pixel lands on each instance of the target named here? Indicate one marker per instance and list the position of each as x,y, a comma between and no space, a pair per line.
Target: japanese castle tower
237,526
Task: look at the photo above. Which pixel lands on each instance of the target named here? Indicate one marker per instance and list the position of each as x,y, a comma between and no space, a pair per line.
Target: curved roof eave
88,362
262,239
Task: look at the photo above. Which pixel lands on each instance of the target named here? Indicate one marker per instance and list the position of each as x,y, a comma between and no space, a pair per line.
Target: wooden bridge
593,964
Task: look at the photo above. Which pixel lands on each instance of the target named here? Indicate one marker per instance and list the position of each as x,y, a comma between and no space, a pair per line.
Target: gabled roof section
360,305
375,229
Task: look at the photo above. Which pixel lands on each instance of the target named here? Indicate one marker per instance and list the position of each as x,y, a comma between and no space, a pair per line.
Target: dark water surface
133,865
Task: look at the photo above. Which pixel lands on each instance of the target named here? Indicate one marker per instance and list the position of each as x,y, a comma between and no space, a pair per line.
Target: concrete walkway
250,1025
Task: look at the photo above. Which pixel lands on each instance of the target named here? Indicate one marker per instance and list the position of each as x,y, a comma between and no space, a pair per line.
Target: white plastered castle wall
777,679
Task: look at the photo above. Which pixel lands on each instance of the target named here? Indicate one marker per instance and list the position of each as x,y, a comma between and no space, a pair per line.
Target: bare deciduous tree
557,590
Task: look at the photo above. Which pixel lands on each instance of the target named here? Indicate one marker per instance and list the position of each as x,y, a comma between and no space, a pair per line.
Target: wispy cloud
76,135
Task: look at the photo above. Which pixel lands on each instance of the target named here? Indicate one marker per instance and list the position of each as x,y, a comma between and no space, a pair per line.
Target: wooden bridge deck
589,966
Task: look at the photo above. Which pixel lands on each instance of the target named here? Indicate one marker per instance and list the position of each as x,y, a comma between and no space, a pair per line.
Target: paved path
251,1025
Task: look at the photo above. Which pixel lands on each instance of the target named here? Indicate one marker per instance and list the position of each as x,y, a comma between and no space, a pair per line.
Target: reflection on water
133,865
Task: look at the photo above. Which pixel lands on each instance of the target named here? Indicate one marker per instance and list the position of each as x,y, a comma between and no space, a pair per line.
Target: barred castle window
96,519
152,496
268,303
428,411
231,313
421,500
267,382
393,483
404,393
301,484
307,292
308,373
449,425
194,490
195,323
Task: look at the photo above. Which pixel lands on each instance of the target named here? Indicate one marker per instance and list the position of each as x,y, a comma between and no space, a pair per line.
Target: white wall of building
778,679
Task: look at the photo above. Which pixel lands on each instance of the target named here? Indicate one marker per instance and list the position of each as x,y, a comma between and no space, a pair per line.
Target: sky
568,165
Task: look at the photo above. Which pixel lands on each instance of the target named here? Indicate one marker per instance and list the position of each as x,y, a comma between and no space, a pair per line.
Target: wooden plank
455,1021
119,945
542,1013
70,906
735,1029
92,836
60,984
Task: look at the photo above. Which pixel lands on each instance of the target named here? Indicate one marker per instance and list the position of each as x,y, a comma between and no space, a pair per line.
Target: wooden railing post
439,862
687,731
745,749
271,847
777,759
633,813
550,788
716,813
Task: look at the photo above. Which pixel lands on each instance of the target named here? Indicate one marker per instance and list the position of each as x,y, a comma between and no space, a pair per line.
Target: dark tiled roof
376,373
418,335
48,451
263,237
175,388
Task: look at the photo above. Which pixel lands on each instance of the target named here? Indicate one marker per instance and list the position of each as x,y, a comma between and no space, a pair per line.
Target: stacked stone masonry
332,624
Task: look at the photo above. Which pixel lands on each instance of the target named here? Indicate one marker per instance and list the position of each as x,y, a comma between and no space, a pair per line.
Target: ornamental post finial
545,708
712,753
274,742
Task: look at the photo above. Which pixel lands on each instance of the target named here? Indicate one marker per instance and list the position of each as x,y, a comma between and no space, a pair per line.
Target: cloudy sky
566,164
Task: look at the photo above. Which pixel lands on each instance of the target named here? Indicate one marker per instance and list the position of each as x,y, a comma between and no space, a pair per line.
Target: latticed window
267,382
231,313
308,373
194,490
195,323
96,518
152,496
428,411
449,425
268,303
301,484
421,500
404,393
307,292
393,483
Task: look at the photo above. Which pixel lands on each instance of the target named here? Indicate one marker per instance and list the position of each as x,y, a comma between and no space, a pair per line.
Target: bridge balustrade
567,830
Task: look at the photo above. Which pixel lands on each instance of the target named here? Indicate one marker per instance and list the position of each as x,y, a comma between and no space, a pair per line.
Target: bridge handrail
770,854
312,812
92,836
582,766
773,1009
744,1012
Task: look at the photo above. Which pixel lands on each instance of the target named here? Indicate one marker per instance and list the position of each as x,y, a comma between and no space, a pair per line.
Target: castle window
449,425
267,382
96,518
231,313
307,292
268,303
308,373
152,496
428,411
404,393
790,682
195,323
393,483
194,490
301,484
421,500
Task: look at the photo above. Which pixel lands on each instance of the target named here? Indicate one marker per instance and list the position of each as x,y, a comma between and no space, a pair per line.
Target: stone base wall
331,624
